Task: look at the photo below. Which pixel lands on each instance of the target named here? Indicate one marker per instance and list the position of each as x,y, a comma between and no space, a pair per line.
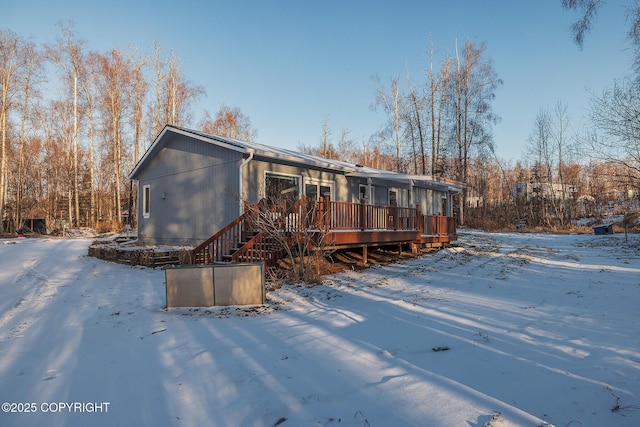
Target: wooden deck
332,225
358,224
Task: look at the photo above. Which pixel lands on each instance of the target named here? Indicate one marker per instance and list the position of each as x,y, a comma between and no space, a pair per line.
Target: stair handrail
227,229
241,254
258,239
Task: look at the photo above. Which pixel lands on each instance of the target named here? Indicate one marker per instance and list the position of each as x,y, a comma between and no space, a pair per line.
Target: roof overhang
300,159
428,181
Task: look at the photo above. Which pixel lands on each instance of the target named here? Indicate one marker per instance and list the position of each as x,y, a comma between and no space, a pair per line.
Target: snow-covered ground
504,330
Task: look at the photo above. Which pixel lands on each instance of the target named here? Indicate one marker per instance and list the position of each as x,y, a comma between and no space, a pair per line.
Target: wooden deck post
362,214
365,254
396,218
318,220
326,212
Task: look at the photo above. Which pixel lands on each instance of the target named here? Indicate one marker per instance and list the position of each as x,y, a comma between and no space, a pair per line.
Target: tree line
435,127
443,126
65,158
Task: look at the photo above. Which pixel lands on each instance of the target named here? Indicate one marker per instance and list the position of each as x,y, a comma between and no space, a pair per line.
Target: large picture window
146,201
278,188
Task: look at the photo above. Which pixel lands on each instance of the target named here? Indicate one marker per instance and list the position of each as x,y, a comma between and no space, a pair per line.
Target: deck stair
244,240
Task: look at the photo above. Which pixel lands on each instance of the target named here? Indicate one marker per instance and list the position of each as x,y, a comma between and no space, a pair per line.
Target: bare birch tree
325,144
68,55
473,88
542,152
346,148
89,92
550,147
391,102
11,65
157,119
113,83
230,122
560,128
616,114
415,111
137,96
32,77
438,88
174,93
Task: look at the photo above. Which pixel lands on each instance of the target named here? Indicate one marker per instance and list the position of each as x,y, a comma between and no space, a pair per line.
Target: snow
501,330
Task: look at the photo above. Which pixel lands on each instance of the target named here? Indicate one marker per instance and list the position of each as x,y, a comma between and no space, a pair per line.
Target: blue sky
288,64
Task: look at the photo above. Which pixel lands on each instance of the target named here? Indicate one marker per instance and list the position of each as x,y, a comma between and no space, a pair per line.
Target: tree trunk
76,187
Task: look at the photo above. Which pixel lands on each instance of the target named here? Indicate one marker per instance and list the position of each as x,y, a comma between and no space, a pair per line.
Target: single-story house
192,184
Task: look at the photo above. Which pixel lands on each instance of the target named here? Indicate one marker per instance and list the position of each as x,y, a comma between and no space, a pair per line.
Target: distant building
474,201
532,190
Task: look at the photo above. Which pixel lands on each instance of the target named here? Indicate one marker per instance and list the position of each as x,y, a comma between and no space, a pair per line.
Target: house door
393,197
364,194
398,197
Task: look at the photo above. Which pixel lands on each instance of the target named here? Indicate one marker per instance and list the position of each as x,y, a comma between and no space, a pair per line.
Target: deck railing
255,250
438,224
363,216
251,236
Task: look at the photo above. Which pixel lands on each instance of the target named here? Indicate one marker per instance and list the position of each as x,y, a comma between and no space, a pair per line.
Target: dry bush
185,256
108,226
490,224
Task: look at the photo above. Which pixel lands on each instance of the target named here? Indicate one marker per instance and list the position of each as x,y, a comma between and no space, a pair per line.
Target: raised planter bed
147,256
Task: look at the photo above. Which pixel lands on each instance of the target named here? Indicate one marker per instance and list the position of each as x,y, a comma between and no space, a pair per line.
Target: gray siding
194,189
347,189
254,175
430,201
353,189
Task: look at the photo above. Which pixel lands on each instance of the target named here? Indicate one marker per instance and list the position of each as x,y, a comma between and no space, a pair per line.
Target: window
311,191
146,201
364,193
282,188
314,189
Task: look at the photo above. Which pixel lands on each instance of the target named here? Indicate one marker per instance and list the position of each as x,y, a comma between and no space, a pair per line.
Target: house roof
426,180
282,154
